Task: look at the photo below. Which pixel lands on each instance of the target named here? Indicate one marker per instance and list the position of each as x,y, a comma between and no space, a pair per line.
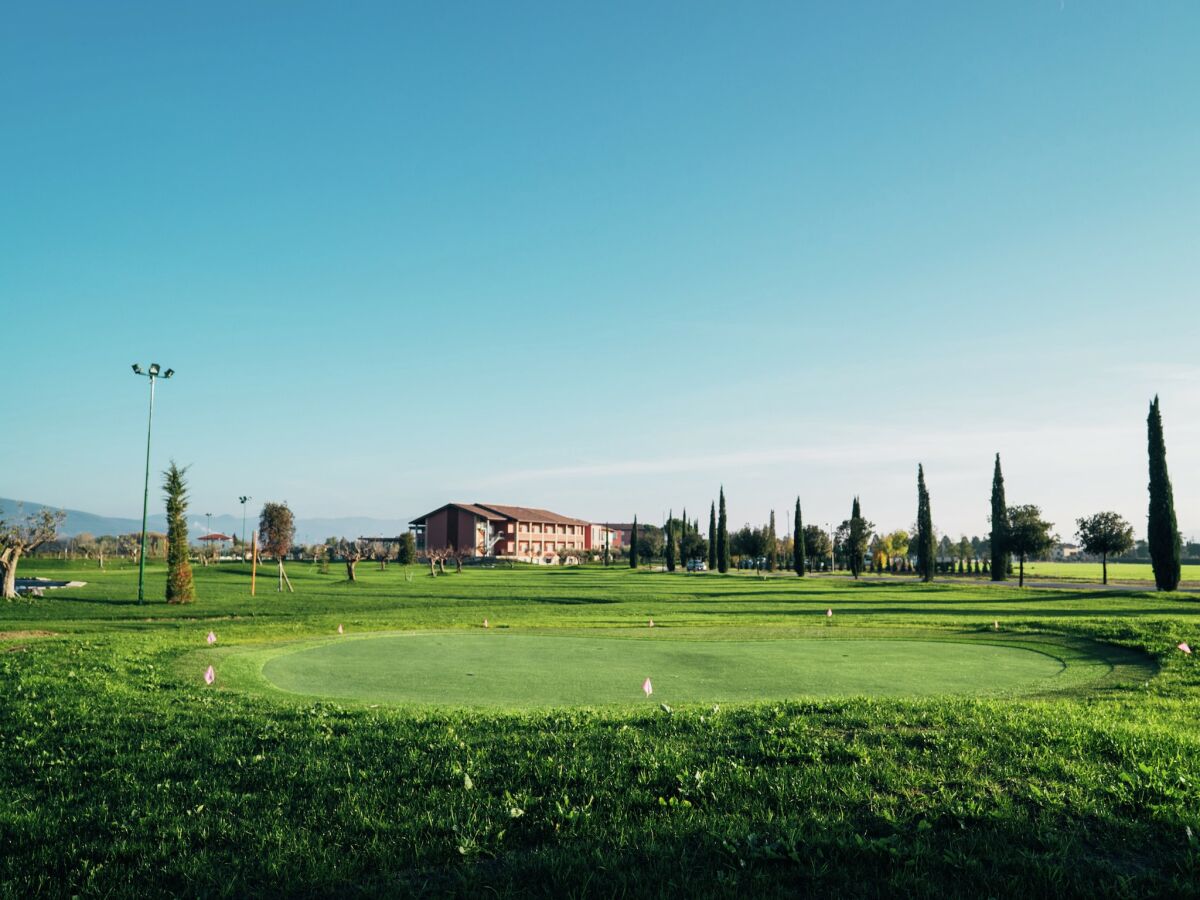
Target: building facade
516,532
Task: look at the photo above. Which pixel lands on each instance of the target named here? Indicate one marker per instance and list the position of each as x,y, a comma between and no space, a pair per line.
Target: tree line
1018,534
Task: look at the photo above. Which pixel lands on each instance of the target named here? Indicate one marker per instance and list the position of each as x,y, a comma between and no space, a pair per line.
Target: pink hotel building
531,535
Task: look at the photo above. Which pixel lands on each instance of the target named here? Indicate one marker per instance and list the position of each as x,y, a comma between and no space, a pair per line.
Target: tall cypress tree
180,588
857,539
670,551
999,526
722,535
712,537
925,548
633,546
772,542
1162,531
798,541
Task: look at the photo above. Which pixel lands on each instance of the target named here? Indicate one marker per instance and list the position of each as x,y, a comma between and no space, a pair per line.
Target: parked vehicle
697,565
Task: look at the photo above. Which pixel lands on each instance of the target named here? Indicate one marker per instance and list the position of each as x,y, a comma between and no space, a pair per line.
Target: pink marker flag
1185,648
647,687
340,631
210,676
212,637
829,613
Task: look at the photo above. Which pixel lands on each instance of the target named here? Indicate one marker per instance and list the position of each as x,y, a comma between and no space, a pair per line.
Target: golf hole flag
1185,648
647,687
210,676
651,623
485,623
340,630
212,637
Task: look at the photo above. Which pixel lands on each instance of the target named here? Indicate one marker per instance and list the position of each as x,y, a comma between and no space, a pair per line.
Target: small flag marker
210,676
651,623
829,613
647,688
212,637
1185,648
485,624
341,630
996,625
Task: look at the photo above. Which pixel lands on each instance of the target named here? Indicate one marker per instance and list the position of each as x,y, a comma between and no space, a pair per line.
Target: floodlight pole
152,374
243,500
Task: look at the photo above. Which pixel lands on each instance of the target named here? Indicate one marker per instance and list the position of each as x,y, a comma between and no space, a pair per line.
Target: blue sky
603,259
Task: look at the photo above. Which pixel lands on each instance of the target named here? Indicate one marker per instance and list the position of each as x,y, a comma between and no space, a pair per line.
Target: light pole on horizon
208,549
243,501
832,559
153,374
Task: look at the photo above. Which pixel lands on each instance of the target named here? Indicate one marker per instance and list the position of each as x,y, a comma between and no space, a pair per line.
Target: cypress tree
633,546
772,543
180,588
722,535
1000,562
926,554
712,538
857,540
670,551
798,541
1162,531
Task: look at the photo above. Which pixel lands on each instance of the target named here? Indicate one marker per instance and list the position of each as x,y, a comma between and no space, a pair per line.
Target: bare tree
24,535
352,553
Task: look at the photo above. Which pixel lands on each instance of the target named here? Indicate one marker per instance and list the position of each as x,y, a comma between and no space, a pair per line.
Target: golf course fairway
495,669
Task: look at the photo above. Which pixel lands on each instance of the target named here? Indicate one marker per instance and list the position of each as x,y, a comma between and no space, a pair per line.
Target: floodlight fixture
154,367
137,370
168,373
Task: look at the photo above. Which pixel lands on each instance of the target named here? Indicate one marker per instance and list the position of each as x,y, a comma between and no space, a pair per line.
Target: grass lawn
1090,571
903,746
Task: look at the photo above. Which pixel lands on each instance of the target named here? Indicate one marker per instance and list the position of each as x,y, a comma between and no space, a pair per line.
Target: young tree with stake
277,530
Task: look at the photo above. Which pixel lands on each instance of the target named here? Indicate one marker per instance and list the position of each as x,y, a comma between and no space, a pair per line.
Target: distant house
1063,552
516,532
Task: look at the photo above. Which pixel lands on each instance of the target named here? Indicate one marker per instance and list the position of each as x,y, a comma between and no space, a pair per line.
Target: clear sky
603,258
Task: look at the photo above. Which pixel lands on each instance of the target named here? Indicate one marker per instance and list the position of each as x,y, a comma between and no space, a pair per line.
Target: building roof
496,513
471,508
530,514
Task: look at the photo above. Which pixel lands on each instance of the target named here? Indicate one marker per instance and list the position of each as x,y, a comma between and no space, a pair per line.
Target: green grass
1089,571
507,670
122,774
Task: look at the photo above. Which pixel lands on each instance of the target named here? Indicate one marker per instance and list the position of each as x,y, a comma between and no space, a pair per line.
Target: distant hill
308,531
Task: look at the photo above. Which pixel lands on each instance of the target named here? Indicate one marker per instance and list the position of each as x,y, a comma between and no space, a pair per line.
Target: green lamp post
153,374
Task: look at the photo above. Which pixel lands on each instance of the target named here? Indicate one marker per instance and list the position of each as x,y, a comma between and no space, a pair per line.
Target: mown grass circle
497,669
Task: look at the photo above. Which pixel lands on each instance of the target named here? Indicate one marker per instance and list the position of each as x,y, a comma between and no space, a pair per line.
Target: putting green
521,670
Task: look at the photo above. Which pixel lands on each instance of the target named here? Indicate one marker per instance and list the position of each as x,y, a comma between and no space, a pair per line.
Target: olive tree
22,535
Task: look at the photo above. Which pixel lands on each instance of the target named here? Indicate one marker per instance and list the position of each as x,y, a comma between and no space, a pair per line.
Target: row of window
550,548
538,528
